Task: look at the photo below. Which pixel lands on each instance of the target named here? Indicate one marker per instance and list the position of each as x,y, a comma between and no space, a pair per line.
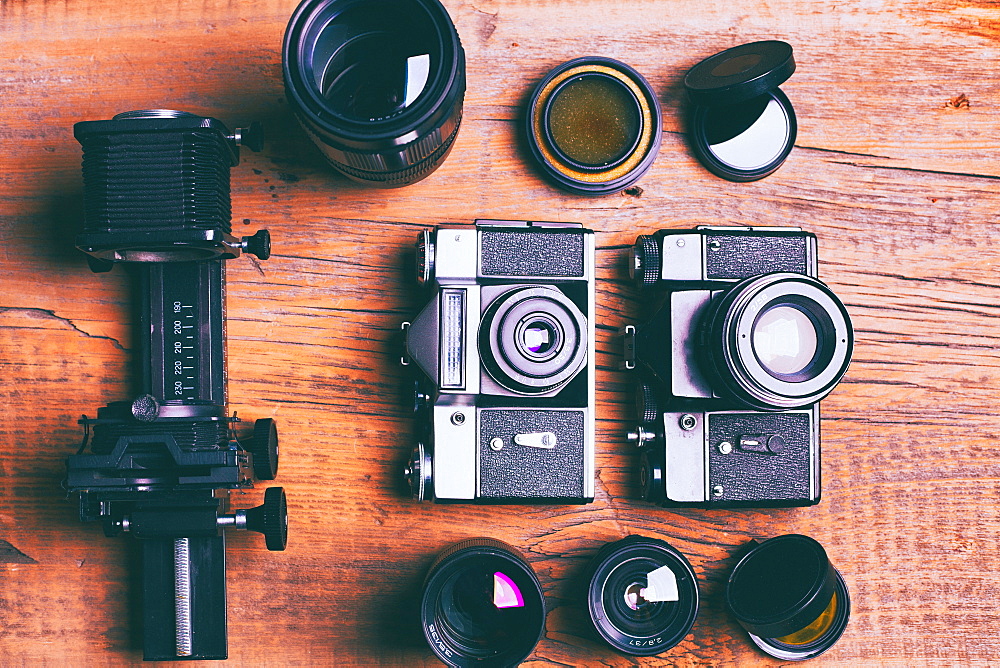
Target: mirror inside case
741,126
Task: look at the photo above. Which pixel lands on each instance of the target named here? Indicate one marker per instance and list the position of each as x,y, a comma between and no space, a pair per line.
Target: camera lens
643,595
593,125
482,605
779,341
378,85
789,597
533,340
785,339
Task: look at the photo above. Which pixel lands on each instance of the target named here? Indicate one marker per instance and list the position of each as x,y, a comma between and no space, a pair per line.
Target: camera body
506,347
735,360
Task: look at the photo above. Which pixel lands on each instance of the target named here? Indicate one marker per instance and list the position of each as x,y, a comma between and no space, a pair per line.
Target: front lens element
482,605
778,341
379,85
643,595
533,340
785,339
370,66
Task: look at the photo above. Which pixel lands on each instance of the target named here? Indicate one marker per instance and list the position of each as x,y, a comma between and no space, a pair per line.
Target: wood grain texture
902,191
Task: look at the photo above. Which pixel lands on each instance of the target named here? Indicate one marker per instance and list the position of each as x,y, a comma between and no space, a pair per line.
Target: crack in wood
50,313
11,555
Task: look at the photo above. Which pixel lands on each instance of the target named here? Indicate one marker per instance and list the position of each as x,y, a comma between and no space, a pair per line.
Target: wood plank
902,191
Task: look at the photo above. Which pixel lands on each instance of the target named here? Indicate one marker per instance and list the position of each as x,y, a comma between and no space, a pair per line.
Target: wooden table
899,183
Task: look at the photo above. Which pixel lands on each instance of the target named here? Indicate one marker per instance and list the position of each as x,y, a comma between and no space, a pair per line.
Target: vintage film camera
506,347
161,466
746,343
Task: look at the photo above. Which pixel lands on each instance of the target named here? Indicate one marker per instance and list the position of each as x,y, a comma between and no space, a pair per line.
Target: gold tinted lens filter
788,596
814,631
594,125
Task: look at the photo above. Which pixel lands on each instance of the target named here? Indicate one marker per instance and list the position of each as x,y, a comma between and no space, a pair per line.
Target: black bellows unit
160,466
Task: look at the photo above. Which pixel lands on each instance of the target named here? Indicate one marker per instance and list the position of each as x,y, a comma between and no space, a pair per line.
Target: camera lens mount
482,605
642,596
378,85
789,597
533,340
779,341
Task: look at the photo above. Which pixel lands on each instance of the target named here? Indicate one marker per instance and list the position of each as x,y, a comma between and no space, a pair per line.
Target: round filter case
741,126
594,124
789,597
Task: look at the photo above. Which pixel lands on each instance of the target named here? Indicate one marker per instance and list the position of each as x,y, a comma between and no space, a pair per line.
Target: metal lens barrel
482,605
377,85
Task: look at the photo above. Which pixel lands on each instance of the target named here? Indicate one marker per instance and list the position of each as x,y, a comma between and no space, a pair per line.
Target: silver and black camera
505,402
735,360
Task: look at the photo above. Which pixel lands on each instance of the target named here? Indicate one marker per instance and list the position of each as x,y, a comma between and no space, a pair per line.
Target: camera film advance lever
161,467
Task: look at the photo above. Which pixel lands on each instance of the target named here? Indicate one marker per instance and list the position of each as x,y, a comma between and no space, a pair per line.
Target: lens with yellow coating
789,597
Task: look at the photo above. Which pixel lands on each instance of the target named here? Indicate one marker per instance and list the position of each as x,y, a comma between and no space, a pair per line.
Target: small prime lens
789,597
779,341
642,596
533,340
377,84
482,605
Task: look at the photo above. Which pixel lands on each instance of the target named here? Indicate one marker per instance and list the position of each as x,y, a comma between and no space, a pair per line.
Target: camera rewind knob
645,261
271,519
264,448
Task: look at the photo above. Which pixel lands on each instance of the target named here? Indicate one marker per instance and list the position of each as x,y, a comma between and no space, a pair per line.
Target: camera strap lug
404,359
628,341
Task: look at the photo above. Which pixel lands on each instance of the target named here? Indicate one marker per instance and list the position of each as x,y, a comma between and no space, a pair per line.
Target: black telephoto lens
789,597
482,605
377,84
643,595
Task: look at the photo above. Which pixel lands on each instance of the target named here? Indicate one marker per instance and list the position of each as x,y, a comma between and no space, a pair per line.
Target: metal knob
264,448
252,137
270,519
258,244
